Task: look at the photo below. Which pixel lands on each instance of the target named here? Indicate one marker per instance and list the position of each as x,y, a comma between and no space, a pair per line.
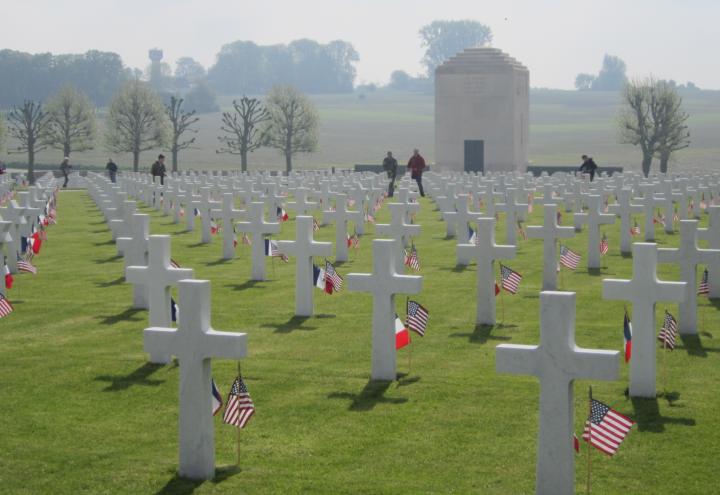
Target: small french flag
217,402
402,336
627,336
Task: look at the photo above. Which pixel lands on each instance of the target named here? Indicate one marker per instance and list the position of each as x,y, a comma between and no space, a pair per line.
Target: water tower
156,56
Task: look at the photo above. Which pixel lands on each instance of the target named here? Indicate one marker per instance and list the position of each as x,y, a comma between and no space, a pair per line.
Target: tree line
139,121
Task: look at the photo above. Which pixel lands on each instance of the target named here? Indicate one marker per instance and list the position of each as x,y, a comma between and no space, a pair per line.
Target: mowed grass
81,410
361,128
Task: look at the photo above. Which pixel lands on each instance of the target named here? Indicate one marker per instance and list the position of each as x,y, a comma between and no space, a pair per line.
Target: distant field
563,125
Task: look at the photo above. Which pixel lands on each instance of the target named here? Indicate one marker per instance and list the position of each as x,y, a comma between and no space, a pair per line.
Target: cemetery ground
82,410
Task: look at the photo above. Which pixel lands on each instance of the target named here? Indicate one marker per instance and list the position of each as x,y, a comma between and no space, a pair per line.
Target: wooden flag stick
238,429
589,443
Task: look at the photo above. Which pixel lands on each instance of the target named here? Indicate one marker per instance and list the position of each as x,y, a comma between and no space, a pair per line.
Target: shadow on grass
372,394
648,418
106,243
138,377
250,284
595,272
101,222
694,346
178,485
482,333
198,244
114,257
126,315
221,261
626,255
294,323
117,281
99,231
404,379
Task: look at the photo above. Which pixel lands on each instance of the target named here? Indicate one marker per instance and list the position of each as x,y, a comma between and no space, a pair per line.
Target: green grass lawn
81,410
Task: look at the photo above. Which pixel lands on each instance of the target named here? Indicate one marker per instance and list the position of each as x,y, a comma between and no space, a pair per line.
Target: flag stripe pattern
703,288
333,276
239,408
668,332
417,317
606,428
26,266
568,258
604,246
510,279
5,307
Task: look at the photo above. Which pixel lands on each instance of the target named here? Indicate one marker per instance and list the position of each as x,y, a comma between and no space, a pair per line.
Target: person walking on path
112,169
390,166
416,165
588,166
65,170
158,169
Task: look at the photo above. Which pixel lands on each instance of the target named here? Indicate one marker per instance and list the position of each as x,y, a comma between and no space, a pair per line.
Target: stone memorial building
481,112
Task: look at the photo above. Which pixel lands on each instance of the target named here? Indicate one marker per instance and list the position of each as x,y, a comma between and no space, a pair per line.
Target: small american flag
412,260
703,288
26,266
417,317
568,258
316,225
509,279
246,239
521,230
5,307
606,428
635,229
239,406
333,276
369,217
668,332
604,245
676,217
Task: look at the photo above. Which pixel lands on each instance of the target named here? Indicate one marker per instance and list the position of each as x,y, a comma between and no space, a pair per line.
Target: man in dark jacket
65,169
112,169
416,165
158,169
390,166
588,166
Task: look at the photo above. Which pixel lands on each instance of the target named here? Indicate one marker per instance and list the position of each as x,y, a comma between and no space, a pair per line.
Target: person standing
65,170
588,166
158,169
390,166
112,169
416,164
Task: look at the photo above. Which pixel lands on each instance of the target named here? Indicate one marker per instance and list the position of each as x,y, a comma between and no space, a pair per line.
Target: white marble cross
134,249
550,232
258,227
712,235
594,219
643,291
206,207
485,251
463,216
624,208
341,216
301,205
195,343
158,277
557,362
649,202
228,214
688,256
514,212
16,216
399,230
304,248
383,284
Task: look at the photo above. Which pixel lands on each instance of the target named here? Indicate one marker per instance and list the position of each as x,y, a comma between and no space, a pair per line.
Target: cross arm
409,284
618,289
671,291
668,255
516,359
136,274
595,364
225,345
177,274
360,282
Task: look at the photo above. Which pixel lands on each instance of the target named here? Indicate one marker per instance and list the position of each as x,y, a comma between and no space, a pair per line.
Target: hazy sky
556,39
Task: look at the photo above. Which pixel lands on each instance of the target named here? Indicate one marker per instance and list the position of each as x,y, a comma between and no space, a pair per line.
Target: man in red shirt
416,164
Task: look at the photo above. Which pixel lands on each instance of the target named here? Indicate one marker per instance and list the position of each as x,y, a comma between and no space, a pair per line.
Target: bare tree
652,119
293,126
136,121
244,129
29,125
180,122
72,121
